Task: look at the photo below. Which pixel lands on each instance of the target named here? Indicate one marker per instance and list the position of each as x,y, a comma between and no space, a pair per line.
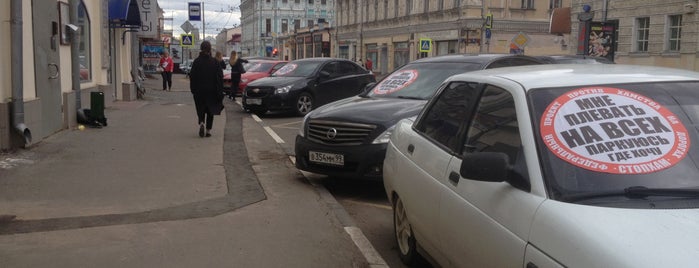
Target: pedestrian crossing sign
187,40
425,45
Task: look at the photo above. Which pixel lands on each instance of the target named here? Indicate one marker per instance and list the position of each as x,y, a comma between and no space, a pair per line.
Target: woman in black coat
237,70
206,84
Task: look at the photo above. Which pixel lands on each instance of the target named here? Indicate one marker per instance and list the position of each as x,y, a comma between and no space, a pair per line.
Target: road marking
287,125
369,252
256,118
274,135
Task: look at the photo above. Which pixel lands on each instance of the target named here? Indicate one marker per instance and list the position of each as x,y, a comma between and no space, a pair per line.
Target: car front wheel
404,233
304,104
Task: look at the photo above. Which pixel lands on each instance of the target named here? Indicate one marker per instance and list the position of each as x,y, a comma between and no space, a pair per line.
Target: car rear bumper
361,162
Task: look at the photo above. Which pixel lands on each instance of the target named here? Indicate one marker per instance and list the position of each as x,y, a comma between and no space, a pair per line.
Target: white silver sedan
551,166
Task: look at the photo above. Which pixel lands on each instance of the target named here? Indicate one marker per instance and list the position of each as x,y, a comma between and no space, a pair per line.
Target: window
494,128
527,4
555,4
297,1
444,120
674,32
642,32
285,25
446,47
85,57
268,26
401,54
285,1
408,7
297,24
310,2
309,23
323,2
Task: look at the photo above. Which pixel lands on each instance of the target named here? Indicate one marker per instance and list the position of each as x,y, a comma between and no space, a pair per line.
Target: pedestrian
167,65
219,57
206,84
369,65
361,63
237,70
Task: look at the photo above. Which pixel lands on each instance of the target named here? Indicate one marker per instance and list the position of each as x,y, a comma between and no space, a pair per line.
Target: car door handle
411,148
454,177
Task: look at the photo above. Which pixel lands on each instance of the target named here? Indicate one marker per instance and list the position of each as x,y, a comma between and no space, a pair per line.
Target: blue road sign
194,11
187,40
425,44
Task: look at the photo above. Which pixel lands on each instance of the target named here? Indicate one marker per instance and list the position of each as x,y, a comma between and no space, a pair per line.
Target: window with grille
642,32
674,32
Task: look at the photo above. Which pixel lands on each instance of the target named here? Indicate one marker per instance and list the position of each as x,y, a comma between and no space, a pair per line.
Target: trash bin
97,107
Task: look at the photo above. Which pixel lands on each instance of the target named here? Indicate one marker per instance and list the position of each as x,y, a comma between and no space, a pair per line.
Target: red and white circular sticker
614,131
286,69
396,81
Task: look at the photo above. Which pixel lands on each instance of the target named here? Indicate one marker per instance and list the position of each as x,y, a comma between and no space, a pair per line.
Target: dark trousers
203,112
167,80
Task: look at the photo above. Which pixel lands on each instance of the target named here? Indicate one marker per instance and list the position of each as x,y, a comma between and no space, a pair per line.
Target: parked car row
511,161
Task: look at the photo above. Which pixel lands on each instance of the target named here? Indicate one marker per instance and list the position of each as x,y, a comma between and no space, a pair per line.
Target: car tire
304,104
404,234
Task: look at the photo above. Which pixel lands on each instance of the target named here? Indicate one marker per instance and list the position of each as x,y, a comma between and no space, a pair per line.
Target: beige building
392,33
648,32
57,53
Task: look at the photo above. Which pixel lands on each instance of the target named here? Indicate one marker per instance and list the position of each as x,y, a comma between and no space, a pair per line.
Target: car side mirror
324,74
485,166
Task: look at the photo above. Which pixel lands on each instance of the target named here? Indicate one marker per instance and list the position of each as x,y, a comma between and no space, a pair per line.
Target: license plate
326,158
253,101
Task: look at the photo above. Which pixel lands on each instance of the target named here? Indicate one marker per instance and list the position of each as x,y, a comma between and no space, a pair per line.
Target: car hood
380,111
276,81
590,236
253,75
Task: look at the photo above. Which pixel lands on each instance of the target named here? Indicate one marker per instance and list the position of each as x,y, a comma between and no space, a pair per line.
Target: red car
254,69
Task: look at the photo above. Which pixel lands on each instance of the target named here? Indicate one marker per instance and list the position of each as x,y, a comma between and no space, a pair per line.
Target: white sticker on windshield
286,69
613,130
396,81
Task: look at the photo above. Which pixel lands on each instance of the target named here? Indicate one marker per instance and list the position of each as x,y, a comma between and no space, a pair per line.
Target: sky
219,14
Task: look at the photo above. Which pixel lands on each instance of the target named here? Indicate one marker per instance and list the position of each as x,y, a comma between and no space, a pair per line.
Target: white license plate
253,101
326,158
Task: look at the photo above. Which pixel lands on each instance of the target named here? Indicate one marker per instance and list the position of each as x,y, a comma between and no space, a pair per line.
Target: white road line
274,135
386,207
370,254
256,118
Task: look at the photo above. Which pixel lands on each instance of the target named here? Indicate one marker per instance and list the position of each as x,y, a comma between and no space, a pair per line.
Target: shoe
208,133
201,130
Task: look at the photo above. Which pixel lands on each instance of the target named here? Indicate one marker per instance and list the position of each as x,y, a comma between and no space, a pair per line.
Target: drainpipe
604,10
17,72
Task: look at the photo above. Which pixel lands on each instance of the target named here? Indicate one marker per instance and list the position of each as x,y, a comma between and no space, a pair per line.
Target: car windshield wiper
410,98
635,192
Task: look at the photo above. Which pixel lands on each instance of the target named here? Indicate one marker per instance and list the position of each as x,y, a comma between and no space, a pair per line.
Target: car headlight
302,130
283,90
385,136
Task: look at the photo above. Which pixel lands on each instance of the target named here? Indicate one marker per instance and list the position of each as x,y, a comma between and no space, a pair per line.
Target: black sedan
302,85
348,138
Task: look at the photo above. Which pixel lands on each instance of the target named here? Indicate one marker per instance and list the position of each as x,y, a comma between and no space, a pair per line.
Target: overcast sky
219,14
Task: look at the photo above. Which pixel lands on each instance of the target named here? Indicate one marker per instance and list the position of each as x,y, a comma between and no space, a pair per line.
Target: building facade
66,50
645,32
267,24
228,40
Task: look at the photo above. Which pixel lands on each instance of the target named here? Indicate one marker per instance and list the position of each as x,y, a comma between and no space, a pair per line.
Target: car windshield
616,138
298,69
260,67
419,80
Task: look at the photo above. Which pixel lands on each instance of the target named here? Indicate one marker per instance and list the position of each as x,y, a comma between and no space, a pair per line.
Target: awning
124,14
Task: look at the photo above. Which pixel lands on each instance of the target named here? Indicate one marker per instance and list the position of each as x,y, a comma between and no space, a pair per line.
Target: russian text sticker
396,81
613,130
286,69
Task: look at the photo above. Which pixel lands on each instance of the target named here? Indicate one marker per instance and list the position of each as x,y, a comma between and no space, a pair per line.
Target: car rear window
419,80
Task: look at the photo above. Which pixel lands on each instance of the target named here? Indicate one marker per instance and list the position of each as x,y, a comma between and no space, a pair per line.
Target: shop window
85,57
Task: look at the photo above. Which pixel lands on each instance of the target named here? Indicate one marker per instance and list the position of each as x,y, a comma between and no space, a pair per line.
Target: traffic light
274,52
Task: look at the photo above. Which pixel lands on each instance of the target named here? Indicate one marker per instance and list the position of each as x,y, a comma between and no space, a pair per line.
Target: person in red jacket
369,65
167,65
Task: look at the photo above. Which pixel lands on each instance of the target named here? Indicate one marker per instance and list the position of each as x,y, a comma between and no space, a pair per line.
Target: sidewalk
147,191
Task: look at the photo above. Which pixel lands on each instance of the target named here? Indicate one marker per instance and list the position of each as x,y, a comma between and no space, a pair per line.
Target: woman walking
237,69
206,84
168,67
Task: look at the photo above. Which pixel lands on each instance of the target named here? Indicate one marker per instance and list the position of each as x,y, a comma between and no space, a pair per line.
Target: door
485,224
383,63
47,40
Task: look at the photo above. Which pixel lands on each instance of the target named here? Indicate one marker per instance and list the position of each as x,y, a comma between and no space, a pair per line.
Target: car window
331,68
447,114
298,69
278,66
346,68
511,62
494,128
